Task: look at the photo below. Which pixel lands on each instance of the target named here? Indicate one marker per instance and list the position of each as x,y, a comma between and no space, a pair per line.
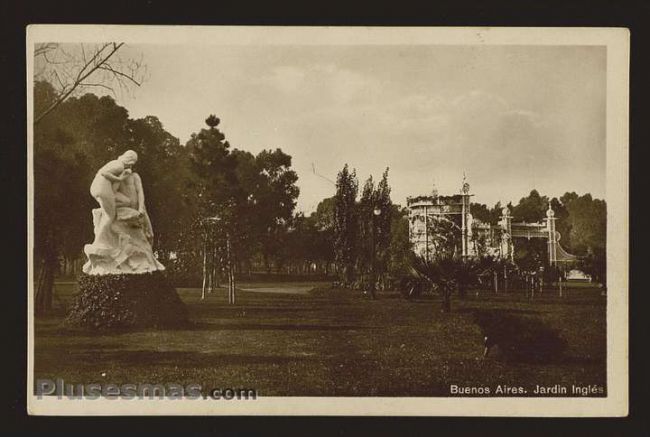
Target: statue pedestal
126,301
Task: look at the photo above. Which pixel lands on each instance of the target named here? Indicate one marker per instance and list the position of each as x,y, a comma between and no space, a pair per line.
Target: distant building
578,276
476,237
423,209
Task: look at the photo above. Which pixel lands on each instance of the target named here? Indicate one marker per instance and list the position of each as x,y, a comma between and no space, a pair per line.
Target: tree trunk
349,272
205,268
215,266
462,291
45,290
446,301
45,293
210,269
231,272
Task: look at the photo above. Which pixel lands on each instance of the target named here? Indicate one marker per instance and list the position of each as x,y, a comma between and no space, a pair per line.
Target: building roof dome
549,212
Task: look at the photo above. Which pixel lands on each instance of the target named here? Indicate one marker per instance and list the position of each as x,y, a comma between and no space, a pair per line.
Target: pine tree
367,228
383,223
217,192
345,223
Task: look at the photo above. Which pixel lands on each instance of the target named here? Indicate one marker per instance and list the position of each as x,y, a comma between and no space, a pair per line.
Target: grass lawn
328,342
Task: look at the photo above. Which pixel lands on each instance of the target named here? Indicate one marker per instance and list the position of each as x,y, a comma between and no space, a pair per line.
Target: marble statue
123,232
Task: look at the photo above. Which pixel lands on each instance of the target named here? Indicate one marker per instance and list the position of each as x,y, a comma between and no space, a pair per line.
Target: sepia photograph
338,221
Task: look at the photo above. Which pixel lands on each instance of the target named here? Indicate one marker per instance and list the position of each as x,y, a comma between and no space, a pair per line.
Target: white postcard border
617,182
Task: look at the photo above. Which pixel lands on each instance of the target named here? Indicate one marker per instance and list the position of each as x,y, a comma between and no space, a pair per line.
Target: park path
298,288
285,289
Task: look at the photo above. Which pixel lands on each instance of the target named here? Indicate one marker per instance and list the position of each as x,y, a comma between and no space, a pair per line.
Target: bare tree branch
77,71
41,49
107,67
101,85
81,75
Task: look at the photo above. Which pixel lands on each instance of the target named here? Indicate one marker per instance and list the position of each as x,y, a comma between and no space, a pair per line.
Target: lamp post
373,276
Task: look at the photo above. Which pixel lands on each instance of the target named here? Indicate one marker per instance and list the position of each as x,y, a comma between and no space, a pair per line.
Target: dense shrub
520,339
107,302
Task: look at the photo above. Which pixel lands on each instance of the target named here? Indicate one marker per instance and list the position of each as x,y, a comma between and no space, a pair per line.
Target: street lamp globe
377,211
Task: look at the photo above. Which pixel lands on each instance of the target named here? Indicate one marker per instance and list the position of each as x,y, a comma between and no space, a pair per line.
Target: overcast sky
512,118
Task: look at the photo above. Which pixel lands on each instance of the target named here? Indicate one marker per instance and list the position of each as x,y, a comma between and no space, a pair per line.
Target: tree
71,69
586,223
480,212
324,214
400,248
346,223
301,249
375,210
444,269
581,222
367,229
217,196
595,265
530,254
246,202
445,273
383,224
587,232
485,214
273,186
530,209
323,221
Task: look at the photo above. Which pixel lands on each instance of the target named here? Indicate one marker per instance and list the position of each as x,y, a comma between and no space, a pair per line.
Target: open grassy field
295,340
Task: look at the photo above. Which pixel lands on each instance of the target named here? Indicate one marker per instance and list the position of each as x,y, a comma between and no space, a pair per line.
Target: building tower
465,225
507,251
552,235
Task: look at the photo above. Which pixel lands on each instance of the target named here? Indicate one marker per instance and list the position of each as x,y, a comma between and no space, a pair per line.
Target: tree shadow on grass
474,310
520,339
63,332
206,326
577,301
583,361
181,359
251,311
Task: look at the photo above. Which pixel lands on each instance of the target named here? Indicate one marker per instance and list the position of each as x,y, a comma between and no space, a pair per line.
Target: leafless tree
72,68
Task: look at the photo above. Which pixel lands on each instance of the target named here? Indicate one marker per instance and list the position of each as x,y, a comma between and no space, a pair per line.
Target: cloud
286,79
477,101
323,83
427,112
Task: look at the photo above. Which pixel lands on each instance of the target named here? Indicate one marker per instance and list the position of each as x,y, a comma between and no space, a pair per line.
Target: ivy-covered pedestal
126,301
